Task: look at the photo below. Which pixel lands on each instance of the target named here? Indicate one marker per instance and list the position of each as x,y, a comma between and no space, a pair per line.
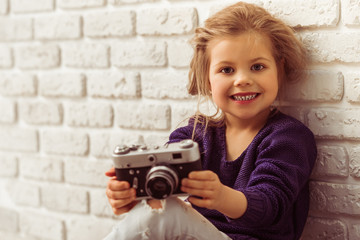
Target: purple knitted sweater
272,172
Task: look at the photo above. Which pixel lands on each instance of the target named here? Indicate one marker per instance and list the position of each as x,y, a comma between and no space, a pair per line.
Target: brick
156,140
86,227
121,2
57,27
99,204
321,86
351,12
24,193
325,47
65,142
142,116
8,220
332,161
114,85
15,29
15,236
174,21
17,84
180,114
320,228
70,4
62,85
91,114
139,54
354,230
111,24
9,166
41,168
179,53
25,6
86,55
6,59
354,162
39,225
335,123
165,84
18,139
8,109
38,57
40,112
102,144
61,198
352,83
4,6
86,172
335,198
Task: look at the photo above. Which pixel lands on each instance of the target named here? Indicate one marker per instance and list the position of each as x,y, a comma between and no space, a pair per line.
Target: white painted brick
8,111
102,144
4,5
326,47
351,12
354,162
99,204
85,228
41,168
111,24
156,84
65,142
180,114
121,2
24,193
40,112
6,59
80,3
113,85
62,85
332,161
38,57
321,86
18,139
15,236
323,228
9,166
15,29
90,114
156,21
87,172
57,27
352,83
24,6
139,54
8,220
180,53
335,123
334,198
86,55
295,111
143,115
156,139
42,226
17,84
65,199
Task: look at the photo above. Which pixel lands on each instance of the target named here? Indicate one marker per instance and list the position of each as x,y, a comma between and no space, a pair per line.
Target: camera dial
161,181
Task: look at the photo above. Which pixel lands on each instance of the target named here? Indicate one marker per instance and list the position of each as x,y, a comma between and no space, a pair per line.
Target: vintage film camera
156,172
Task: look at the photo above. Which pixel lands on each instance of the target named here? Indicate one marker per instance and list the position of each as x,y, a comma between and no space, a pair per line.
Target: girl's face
243,76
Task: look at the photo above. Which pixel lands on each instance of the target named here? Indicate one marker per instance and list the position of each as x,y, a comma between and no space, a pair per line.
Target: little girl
256,160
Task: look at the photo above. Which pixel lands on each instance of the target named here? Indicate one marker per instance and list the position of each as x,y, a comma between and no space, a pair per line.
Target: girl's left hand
206,188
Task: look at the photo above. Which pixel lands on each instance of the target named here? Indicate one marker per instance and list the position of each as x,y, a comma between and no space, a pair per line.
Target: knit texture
273,173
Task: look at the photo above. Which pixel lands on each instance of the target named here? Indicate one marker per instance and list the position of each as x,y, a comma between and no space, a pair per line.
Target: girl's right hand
121,196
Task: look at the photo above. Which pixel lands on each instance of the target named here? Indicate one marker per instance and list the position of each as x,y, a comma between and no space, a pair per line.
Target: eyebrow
251,60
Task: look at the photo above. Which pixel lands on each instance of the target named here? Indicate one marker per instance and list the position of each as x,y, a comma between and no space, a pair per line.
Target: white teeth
244,98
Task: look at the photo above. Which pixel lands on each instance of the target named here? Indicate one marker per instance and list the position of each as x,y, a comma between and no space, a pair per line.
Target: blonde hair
288,51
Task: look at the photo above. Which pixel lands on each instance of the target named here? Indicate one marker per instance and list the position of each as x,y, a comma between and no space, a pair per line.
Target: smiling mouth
244,97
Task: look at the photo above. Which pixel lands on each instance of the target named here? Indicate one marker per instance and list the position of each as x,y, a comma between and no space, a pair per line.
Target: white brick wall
79,77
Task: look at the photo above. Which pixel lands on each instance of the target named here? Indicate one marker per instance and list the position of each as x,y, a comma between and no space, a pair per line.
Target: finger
197,184
198,192
202,175
116,185
110,172
204,203
117,195
127,208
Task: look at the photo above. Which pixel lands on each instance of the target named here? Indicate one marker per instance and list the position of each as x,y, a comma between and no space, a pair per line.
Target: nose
242,79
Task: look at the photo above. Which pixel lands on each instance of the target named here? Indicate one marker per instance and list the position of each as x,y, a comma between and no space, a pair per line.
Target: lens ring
161,181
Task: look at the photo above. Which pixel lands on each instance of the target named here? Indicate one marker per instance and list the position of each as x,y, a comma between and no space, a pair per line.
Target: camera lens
161,181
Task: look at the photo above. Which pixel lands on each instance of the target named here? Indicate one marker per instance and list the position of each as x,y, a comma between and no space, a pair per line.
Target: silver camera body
156,172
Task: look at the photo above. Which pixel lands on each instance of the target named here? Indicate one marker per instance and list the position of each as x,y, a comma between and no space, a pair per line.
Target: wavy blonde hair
288,51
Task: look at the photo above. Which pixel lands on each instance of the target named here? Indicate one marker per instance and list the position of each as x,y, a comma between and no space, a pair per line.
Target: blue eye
227,70
257,67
